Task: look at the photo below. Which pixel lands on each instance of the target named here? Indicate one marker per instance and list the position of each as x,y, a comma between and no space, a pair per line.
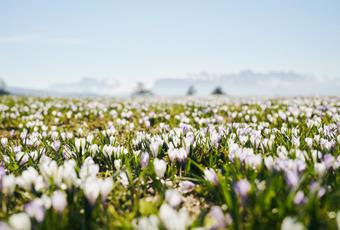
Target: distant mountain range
46,93
86,87
89,86
249,83
245,83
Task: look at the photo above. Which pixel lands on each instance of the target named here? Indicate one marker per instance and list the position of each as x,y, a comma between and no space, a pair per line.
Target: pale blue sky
45,42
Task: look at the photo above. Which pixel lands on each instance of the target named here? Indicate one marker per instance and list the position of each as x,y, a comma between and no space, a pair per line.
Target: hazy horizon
45,43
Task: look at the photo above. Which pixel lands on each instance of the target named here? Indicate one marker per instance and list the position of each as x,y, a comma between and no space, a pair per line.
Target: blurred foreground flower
215,218
173,220
20,221
59,201
210,175
186,186
144,160
242,188
173,197
149,223
160,167
291,223
36,209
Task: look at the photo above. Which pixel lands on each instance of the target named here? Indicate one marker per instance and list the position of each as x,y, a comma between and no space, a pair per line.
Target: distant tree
218,91
191,91
141,90
3,90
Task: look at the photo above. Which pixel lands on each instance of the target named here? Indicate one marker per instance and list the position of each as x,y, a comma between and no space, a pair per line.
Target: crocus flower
106,186
20,221
328,161
80,144
292,178
2,173
172,154
217,216
59,201
320,168
186,186
56,145
242,188
8,184
291,223
173,197
148,222
182,155
91,190
172,219
210,175
117,163
35,209
299,198
4,141
144,160
21,158
4,226
154,145
124,179
160,167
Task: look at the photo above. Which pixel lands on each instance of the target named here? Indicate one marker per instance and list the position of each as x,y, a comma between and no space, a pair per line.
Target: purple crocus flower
242,188
210,175
35,209
56,145
2,174
144,160
299,198
292,178
328,160
217,215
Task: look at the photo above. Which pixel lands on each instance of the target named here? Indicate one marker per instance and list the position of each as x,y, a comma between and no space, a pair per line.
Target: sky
49,42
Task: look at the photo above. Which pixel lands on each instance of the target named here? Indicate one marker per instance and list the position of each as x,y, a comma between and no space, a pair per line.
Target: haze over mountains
250,83
245,83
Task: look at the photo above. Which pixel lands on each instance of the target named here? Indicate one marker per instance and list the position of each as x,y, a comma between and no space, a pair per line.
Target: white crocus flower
36,209
50,170
108,150
20,221
173,197
155,144
8,184
68,173
320,168
80,144
94,149
21,158
106,186
160,167
186,186
124,179
88,169
172,219
4,141
27,178
290,223
91,190
117,163
59,201
150,223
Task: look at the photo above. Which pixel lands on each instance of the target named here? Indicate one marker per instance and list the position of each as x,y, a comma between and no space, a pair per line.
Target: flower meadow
179,163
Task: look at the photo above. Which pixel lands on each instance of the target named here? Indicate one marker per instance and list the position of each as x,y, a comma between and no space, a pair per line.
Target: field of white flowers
185,163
